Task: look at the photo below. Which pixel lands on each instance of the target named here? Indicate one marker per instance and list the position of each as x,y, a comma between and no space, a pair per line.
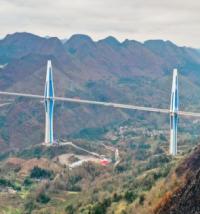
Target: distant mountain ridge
106,70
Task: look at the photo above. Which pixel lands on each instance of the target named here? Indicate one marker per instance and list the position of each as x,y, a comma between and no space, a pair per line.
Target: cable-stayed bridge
109,104
49,99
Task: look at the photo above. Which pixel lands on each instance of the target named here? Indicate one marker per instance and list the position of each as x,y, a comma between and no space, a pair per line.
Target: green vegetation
39,173
72,183
7,183
2,121
130,196
92,188
70,209
91,133
5,135
29,206
43,198
27,182
101,207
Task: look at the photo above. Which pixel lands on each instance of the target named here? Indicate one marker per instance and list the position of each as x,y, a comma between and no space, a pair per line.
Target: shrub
121,168
70,209
29,206
141,199
72,183
141,155
130,196
74,188
101,207
148,182
157,161
116,197
43,198
27,181
7,183
144,146
40,173
74,179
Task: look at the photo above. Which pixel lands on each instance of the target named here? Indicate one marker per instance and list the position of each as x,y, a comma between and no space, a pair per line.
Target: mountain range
105,70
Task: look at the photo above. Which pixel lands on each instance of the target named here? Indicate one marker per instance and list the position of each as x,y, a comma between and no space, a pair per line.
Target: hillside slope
186,198
106,70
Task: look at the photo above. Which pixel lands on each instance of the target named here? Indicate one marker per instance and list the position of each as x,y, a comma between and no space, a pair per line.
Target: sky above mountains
175,20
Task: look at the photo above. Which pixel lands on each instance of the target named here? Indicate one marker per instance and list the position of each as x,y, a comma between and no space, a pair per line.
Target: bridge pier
49,104
174,107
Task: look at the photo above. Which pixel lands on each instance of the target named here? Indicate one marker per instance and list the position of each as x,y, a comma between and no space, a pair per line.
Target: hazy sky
176,20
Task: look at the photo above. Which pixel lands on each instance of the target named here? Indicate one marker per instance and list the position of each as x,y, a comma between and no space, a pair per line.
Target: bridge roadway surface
108,104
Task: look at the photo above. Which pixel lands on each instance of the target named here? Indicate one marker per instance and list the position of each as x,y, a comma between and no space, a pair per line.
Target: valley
81,174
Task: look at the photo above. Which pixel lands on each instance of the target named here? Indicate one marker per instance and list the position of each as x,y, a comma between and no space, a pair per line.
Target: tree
130,196
43,198
40,173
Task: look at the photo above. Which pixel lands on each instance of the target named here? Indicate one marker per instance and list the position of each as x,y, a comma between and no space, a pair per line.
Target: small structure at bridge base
174,108
49,104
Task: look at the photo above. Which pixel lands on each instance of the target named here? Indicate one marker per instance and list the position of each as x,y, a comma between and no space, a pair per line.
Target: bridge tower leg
49,104
174,107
